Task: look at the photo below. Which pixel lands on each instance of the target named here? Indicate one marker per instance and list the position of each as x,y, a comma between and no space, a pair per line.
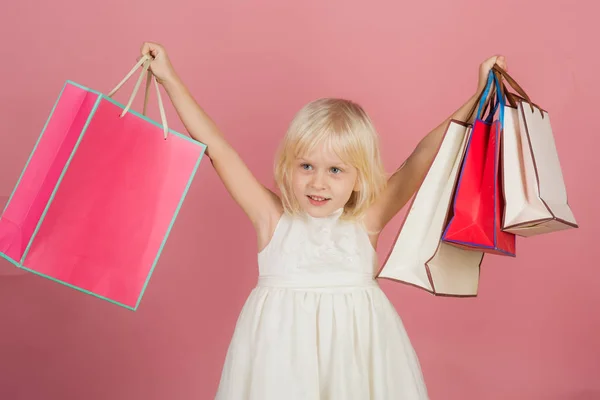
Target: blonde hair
344,127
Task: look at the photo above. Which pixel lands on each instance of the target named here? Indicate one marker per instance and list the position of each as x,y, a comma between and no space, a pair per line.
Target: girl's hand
484,70
160,66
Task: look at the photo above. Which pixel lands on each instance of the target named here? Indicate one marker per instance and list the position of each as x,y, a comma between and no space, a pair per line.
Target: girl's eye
306,166
336,170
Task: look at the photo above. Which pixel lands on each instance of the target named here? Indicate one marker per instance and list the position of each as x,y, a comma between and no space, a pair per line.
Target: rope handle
144,63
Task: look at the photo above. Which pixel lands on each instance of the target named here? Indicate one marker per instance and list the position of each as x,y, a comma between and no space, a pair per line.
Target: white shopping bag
533,184
418,256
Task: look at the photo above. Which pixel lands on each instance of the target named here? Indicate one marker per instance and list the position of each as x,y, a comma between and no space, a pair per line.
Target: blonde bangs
344,128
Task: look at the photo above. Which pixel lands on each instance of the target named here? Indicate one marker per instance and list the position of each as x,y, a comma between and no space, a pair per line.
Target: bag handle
522,95
493,89
484,95
500,97
513,97
489,103
144,62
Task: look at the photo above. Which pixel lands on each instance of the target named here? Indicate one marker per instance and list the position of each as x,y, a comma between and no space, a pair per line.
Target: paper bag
418,256
534,187
99,195
476,220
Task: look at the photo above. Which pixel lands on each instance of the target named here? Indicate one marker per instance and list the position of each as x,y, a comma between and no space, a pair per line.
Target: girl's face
322,182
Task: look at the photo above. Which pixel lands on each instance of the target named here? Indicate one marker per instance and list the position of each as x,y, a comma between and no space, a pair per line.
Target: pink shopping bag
476,221
99,194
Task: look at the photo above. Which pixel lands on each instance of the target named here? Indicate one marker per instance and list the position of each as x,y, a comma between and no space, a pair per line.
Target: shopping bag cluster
491,181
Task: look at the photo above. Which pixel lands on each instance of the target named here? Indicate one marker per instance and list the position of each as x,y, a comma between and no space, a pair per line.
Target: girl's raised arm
261,205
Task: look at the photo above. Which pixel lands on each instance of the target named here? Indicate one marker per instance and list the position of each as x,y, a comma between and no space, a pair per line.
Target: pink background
533,333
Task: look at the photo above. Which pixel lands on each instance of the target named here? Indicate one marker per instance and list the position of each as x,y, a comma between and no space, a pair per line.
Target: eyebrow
336,164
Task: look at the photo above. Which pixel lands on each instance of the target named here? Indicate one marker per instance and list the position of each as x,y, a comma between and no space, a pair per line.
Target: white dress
318,326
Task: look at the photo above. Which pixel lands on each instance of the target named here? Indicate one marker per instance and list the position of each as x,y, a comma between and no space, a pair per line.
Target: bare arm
406,180
261,205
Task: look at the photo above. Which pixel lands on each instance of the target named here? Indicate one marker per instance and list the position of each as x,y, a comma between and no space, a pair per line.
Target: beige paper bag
533,184
418,256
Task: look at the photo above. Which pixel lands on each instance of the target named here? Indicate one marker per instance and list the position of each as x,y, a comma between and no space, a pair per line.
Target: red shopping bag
476,215
98,197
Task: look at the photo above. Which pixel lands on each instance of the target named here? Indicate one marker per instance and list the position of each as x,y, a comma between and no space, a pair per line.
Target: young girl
317,325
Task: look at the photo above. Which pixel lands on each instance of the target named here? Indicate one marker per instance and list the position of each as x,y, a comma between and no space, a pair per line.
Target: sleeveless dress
317,326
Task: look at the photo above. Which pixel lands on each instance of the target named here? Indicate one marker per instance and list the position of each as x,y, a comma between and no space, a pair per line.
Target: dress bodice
321,250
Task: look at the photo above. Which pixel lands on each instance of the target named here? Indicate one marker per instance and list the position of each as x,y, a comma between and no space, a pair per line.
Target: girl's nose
318,181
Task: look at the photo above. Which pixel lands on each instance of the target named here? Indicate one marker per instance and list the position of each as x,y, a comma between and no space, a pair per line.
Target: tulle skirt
337,343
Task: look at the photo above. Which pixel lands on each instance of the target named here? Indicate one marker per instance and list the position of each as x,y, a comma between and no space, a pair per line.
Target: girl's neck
332,216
